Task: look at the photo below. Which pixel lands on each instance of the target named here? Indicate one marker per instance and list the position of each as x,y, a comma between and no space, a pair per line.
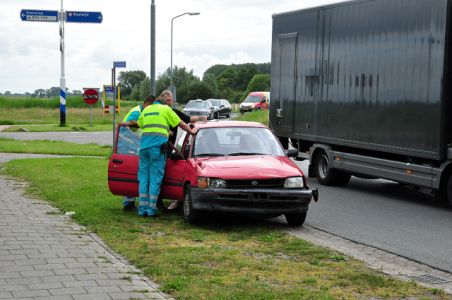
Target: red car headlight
294,183
216,183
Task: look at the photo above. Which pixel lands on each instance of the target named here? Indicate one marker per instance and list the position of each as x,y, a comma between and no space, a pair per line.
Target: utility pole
152,74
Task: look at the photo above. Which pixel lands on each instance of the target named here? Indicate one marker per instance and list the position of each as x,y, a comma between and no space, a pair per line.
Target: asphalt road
388,216
377,213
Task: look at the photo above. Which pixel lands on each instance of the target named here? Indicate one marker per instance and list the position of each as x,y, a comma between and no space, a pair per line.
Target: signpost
83,17
61,16
119,64
39,15
116,64
91,96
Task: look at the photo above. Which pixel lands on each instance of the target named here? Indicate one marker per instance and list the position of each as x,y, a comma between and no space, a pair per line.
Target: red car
228,166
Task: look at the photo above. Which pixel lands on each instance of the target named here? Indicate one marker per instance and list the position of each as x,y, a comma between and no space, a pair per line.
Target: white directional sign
39,15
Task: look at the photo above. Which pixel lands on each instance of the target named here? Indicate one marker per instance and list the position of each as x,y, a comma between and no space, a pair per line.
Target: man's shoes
175,204
129,206
147,212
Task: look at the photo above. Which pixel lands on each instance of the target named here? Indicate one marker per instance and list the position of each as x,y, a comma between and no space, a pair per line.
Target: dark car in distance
221,107
229,166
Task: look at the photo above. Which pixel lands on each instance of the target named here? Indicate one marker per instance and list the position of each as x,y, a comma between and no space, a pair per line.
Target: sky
225,32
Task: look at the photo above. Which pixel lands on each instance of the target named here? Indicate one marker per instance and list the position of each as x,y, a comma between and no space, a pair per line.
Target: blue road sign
39,15
119,64
83,17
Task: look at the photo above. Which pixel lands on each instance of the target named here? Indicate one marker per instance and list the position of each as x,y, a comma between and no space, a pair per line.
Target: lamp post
171,69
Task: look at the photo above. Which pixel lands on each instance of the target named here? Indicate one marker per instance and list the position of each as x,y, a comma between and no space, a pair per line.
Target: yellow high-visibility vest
157,119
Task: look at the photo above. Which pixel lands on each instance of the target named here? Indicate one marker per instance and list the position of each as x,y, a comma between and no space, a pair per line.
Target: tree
53,92
260,82
40,93
181,78
215,70
135,94
195,90
210,80
145,88
129,79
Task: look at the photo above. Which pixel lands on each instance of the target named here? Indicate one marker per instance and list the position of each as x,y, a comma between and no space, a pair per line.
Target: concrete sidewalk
44,254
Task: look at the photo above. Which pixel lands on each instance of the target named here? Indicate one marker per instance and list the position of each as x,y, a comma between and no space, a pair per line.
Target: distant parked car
221,107
230,166
199,108
255,101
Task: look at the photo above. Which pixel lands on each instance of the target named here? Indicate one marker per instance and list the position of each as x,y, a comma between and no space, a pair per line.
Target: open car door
124,162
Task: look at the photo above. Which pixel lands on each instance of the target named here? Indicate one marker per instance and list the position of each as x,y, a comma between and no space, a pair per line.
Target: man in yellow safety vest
131,119
155,121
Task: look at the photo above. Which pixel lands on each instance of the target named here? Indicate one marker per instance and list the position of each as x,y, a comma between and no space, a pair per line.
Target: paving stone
48,256
31,293
68,291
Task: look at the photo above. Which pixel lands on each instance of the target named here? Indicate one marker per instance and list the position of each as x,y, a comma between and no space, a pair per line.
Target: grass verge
223,259
44,116
260,116
56,127
52,147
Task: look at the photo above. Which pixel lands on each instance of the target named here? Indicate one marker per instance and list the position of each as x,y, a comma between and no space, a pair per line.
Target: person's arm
132,124
194,119
133,118
185,127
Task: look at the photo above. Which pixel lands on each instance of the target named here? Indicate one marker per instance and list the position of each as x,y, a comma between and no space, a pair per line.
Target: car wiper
245,153
208,154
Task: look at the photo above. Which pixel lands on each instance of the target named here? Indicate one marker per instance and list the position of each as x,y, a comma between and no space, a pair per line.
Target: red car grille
256,183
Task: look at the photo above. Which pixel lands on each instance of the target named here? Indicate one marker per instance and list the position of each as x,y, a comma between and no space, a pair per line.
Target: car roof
224,124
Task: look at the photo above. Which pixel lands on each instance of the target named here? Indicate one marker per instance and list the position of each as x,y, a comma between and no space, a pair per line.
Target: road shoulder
377,259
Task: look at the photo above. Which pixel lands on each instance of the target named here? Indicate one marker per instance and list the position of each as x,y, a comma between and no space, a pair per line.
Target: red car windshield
230,141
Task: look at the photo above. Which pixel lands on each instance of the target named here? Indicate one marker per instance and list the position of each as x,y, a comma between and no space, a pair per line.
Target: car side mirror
292,152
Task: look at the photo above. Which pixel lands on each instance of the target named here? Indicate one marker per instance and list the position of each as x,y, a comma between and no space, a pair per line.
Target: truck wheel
296,219
444,195
324,173
190,215
449,190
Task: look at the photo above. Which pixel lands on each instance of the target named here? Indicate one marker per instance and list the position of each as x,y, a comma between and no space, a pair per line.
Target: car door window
128,141
187,145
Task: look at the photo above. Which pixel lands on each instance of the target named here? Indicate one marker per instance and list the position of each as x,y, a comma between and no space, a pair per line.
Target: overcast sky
226,32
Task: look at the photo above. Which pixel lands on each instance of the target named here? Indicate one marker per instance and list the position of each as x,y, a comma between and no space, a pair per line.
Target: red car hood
248,167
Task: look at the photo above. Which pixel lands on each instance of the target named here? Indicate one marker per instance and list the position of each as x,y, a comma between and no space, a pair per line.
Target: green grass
57,127
52,147
222,259
260,116
26,111
40,116
53,103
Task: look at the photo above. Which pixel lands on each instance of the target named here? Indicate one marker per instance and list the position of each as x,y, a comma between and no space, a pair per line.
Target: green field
31,111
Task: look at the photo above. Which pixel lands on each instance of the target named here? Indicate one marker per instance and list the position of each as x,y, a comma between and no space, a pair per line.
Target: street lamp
171,69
